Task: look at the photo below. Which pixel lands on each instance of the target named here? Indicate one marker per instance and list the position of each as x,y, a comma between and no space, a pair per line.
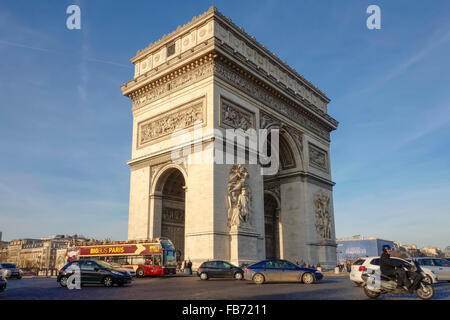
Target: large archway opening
271,226
173,209
289,160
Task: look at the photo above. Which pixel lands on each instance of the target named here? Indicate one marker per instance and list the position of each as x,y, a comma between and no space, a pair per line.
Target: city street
179,287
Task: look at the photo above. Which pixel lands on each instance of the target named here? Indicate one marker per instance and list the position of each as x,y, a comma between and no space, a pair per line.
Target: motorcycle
376,283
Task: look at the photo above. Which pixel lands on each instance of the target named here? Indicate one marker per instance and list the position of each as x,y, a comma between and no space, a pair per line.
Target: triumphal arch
192,90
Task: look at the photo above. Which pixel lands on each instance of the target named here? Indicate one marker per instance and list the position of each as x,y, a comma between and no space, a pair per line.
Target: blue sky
65,128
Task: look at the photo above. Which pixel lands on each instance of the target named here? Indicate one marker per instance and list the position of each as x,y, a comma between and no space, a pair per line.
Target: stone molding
176,80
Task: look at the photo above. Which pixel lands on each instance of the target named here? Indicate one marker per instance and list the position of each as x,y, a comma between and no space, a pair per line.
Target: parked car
11,270
3,281
219,269
440,267
94,272
276,270
119,267
363,264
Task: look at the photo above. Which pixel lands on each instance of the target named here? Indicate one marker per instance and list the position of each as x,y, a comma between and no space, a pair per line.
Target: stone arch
290,151
272,225
169,206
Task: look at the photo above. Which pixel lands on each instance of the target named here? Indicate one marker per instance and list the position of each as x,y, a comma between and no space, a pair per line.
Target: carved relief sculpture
318,158
181,119
233,116
238,199
322,215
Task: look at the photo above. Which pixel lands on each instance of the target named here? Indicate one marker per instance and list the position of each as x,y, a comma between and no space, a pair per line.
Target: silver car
440,267
10,270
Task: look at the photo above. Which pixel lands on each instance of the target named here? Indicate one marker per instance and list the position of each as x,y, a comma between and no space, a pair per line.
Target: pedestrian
188,269
184,265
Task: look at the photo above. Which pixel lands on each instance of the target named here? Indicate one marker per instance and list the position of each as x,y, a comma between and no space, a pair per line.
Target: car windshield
104,264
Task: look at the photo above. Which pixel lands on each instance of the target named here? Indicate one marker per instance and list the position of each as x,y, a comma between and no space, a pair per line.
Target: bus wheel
140,273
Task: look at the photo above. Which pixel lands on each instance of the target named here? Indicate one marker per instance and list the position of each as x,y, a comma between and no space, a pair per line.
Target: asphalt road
181,288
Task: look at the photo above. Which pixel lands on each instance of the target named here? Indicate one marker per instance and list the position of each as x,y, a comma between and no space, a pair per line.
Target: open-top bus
147,258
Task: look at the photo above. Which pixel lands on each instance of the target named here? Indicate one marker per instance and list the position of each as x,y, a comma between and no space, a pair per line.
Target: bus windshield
170,258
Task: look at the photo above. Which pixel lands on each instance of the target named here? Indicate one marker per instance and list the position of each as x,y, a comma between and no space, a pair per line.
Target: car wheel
371,294
108,281
63,282
258,278
238,276
140,273
307,278
204,276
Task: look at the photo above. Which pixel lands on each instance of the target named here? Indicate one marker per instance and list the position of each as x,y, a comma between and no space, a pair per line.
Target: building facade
190,89
46,254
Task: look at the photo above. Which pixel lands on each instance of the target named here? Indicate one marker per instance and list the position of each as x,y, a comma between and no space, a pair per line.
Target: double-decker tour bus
146,257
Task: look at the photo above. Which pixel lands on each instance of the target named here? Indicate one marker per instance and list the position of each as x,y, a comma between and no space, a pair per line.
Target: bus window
137,260
157,260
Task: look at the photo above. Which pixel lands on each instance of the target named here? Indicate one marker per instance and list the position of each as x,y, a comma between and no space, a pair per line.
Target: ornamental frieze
318,158
173,215
167,124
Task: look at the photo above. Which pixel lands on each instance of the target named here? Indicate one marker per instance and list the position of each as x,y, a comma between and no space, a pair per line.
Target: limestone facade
205,77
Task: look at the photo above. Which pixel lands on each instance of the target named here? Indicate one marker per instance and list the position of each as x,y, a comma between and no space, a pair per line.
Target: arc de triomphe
205,77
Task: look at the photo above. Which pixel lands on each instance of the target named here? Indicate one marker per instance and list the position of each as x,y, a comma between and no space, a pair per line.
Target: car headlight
117,273
20,271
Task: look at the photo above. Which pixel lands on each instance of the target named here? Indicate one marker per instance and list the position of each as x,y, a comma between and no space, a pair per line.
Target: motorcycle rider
388,268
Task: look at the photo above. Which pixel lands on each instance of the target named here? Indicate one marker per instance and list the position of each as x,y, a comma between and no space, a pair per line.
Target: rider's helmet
386,247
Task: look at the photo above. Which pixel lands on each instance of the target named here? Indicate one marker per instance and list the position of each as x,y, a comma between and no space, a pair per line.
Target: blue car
277,270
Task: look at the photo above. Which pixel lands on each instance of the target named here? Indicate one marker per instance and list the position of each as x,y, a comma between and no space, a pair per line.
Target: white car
363,264
440,267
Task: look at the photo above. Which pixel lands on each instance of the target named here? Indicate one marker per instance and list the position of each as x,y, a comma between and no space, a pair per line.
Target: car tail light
362,268
199,268
247,270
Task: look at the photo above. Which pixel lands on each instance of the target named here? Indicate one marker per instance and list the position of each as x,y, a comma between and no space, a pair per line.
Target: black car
219,269
94,272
